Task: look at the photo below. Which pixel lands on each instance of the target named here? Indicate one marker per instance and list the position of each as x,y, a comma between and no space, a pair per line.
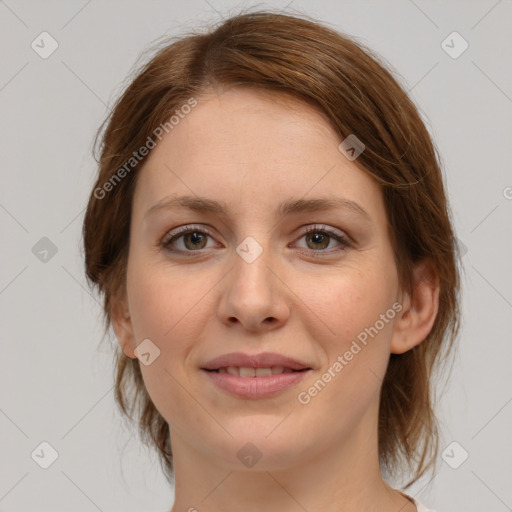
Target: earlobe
122,324
419,310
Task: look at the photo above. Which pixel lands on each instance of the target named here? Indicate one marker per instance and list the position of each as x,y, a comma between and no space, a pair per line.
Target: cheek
356,318
165,304
350,303
172,309
167,312
358,311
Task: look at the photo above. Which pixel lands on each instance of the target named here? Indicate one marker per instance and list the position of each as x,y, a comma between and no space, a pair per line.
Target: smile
255,372
254,383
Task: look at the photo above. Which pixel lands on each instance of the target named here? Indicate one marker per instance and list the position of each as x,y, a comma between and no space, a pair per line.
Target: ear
122,324
419,310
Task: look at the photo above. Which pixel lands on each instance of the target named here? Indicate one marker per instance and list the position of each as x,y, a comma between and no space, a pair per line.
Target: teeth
247,372
254,372
263,372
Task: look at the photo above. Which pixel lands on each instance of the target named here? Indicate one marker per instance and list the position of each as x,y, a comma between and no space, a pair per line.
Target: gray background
56,377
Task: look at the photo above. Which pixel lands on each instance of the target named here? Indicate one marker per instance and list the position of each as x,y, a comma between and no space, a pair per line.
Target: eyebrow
205,205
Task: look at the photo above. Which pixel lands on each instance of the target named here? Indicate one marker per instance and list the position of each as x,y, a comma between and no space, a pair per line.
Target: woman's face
252,281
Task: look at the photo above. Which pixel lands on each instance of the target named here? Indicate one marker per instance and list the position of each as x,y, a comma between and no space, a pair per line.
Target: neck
343,478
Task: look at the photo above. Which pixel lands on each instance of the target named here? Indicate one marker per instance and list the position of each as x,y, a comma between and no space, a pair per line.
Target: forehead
234,117
252,148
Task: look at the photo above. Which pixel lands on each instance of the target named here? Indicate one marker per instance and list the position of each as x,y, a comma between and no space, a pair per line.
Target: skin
252,151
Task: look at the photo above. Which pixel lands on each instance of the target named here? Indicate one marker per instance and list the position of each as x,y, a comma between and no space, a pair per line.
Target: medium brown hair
294,55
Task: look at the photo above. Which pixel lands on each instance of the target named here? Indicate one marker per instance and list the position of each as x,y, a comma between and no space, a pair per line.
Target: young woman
271,234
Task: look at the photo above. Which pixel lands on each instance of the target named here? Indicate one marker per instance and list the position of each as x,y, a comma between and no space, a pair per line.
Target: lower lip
255,387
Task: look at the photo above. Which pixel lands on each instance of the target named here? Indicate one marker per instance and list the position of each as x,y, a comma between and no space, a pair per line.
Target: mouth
254,376
254,383
246,372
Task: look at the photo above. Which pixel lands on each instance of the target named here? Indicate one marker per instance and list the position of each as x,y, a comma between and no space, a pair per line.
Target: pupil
195,238
317,238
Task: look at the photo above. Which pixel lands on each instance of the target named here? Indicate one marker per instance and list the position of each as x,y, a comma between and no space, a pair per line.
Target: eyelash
180,232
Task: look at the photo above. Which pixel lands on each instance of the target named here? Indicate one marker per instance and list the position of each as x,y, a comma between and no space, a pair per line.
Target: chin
263,443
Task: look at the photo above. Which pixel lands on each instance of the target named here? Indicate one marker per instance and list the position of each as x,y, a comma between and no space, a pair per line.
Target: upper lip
263,360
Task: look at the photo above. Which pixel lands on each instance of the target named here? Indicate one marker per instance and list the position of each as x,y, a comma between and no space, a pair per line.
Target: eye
189,239
319,238
194,239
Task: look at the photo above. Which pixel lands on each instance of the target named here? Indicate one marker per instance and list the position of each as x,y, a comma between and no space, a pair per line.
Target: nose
254,296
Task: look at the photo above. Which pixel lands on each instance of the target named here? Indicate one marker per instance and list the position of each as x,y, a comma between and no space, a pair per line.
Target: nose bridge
251,277
252,293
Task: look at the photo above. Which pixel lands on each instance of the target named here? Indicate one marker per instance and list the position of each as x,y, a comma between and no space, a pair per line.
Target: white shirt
421,508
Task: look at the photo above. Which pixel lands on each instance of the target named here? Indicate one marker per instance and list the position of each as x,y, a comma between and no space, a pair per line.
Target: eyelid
326,229
176,232
340,236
